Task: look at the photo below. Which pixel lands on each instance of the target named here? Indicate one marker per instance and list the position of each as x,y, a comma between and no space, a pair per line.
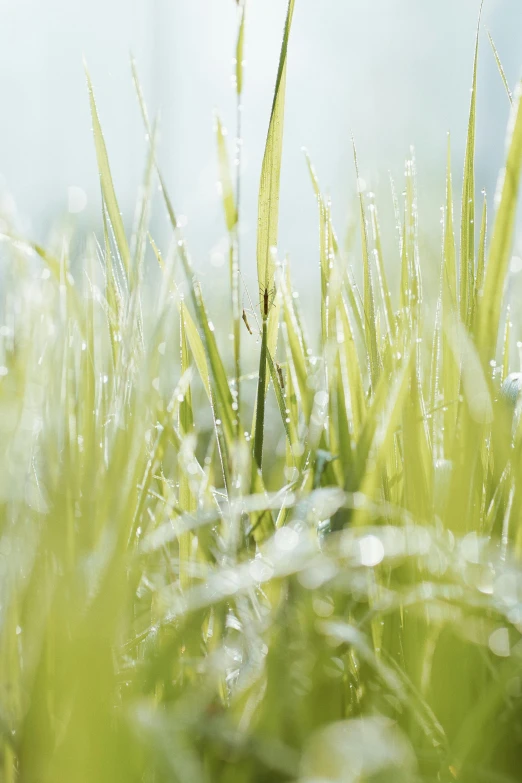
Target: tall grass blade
467,226
490,302
107,186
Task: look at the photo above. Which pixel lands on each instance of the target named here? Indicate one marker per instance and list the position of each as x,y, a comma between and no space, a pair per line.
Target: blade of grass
107,186
490,301
467,226
268,219
500,68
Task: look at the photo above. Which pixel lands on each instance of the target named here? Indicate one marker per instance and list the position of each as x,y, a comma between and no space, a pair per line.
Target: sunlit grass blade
506,345
450,291
369,297
222,399
482,250
467,225
240,45
268,203
225,178
231,219
490,301
500,68
107,186
267,230
381,271
380,425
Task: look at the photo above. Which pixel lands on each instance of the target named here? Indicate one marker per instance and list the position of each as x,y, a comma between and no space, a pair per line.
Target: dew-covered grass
311,572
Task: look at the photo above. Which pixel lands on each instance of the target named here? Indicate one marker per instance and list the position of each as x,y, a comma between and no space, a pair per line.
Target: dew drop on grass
371,551
286,539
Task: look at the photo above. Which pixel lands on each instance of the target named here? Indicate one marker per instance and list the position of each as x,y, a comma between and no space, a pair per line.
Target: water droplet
371,551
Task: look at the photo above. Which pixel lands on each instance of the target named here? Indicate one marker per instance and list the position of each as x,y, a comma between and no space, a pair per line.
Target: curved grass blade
500,69
107,186
490,302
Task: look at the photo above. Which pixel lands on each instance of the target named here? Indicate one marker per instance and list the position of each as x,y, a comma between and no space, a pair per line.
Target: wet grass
318,581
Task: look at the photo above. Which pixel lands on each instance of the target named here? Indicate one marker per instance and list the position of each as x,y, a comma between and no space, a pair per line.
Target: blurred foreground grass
183,600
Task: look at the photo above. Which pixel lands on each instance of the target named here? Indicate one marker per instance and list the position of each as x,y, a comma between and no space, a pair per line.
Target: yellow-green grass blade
413,293
352,368
268,203
225,178
231,220
467,225
259,426
280,397
490,301
500,68
325,272
240,45
382,421
187,501
506,345
267,228
381,271
481,255
313,176
222,401
295,350
449,380
475,420
139,240
436,383
368,293
197,349
355,303
417,456
450,291
107,186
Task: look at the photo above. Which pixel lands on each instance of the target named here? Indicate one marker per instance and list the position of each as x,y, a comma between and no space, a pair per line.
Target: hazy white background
393,72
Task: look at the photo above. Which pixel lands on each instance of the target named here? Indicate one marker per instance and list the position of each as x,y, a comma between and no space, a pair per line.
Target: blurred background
392,72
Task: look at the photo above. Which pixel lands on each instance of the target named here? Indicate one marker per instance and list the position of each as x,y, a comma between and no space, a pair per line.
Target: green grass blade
240,45
107,186
225,178
500,68
450,294
381,271
490,302
267,230
268,203
369,297
467,226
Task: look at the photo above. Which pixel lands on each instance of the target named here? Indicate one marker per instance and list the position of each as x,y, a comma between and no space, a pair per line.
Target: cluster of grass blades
177,602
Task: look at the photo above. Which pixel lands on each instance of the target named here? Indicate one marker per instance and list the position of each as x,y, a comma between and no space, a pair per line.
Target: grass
184,600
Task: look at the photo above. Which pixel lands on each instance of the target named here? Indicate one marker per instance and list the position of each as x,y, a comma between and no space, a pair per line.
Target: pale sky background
393,72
